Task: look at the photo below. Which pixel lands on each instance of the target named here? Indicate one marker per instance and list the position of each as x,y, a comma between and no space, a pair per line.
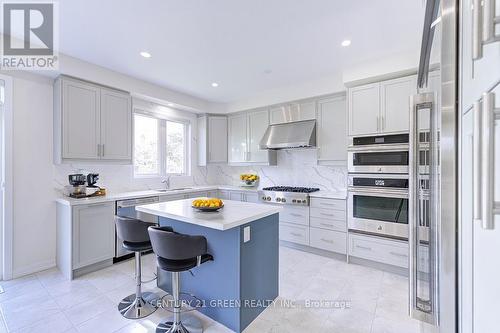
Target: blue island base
242,280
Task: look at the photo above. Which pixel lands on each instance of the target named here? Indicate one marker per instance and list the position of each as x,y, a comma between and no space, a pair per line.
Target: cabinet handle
398,254
102,150
297,215
364,247
324,214
382,123
477,45
327,240
295,234
378,123
489,22
326,224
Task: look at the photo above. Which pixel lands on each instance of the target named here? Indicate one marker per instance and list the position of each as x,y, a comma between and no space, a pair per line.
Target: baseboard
34,268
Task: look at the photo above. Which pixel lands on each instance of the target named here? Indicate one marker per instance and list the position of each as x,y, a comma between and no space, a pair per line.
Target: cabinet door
217,139
364,109
251,197
332,129
307,110
116,125
80,120
258,121
395,103
93,234
237,196
278,115
478,76
237,135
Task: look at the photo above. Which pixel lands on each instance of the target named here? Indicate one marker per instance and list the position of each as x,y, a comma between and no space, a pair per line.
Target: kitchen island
243,239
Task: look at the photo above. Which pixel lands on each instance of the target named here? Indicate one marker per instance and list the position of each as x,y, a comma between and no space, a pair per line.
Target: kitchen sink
174,189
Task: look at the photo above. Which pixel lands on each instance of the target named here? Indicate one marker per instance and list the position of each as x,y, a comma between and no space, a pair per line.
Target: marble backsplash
295,168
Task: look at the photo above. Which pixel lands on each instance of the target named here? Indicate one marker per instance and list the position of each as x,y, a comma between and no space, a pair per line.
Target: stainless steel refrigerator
433,187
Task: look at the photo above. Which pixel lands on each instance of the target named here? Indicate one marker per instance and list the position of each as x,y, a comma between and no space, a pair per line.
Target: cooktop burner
291,189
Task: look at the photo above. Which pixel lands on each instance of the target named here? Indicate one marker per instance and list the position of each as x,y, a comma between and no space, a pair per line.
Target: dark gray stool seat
136,238
177,253
137,247
182,265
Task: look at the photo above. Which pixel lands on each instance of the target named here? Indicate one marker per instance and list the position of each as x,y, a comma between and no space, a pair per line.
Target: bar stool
178,253
136,238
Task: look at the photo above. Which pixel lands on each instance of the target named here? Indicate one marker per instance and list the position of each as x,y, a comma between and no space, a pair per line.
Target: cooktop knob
283,200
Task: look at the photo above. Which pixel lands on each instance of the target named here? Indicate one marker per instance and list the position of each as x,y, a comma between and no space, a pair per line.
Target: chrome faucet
166,182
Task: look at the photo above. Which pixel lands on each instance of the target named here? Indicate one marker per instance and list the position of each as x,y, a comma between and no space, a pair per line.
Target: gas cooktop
286,195
291,189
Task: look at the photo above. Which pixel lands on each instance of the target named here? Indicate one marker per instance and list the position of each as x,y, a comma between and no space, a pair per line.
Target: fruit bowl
249,180
207,204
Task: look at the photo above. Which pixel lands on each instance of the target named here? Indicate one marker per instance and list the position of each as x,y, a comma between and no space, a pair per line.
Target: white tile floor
377,301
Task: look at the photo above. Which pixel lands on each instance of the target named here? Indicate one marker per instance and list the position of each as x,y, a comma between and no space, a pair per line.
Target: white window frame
162,144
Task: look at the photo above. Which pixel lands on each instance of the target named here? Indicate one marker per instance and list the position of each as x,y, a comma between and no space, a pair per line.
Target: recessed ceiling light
170,104
346,42
145,54
215,84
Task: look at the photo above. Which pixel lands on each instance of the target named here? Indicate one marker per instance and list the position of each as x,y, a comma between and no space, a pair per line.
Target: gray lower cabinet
294,233
329,240
382,250
85,237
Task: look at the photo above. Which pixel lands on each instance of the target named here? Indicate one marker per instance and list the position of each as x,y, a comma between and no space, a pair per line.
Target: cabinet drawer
328,224
329,240
295,215
329,214
294,233
386,251
328,203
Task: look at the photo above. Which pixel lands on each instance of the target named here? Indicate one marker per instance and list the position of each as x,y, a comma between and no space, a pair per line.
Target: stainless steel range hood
298,134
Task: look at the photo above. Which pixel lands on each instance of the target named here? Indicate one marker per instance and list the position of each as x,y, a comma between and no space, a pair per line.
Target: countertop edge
216,226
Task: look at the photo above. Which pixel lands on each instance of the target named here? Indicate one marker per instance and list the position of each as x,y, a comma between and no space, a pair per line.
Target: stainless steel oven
378,204
379,154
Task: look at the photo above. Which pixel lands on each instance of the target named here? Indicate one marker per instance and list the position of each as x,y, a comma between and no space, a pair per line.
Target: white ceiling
234,42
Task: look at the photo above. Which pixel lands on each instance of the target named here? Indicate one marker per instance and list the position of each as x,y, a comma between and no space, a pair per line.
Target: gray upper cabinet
80,120
381,107
395,104
332,129
364,109
245,130
294,111
212,140
116,126
91,122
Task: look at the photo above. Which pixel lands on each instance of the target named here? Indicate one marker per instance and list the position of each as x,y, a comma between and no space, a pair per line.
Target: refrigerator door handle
489,22
423,185
477,179
489,208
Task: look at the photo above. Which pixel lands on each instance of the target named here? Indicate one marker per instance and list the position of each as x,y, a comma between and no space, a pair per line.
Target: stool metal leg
189,324
138,305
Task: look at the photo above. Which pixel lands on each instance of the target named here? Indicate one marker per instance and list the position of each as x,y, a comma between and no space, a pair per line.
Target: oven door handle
374,192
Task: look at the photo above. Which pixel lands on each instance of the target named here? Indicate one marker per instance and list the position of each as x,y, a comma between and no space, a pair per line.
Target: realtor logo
29,36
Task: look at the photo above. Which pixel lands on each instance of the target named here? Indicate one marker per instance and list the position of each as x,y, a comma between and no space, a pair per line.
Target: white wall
327,85
34,227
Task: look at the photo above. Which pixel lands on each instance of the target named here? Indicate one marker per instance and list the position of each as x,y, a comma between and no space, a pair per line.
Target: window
160,146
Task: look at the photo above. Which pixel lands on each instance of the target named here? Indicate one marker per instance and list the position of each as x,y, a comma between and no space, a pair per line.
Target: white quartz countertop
233,214
342,195
149,193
